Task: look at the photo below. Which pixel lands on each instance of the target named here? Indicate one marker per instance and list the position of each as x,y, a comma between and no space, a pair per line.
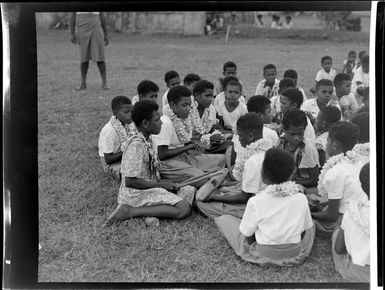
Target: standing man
92,37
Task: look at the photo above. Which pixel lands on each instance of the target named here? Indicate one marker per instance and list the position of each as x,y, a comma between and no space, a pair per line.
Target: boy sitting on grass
114,136
270,85
326,72
147,90
141,194
292,74
347,100
172,79
284,84
221,96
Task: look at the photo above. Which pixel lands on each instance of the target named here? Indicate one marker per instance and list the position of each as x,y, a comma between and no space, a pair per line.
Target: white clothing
267,133
276,220
309,130
356,240
252,173
96,13
108,140
322,74
164,99
342,182
322,140
221,98
311,106
303,93
229,118
167,135
134,99
359,76
310,158
350,102
266,91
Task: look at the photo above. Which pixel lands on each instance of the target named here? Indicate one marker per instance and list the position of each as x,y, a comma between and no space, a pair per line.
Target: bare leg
103,74
83,72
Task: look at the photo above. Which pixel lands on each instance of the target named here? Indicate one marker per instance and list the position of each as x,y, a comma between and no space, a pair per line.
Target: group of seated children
255,168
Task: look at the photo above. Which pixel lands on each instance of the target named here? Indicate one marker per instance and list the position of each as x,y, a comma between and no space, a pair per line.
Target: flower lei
183,128
352,156
355,209
206,138
202,125
250,150
123,131
284,189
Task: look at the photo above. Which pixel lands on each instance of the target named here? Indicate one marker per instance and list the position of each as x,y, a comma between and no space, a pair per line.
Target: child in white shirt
350,64
270,85
360,79
292,74
229,69
172,79
347,100
326,72
147,90
276,227
284,84
221,96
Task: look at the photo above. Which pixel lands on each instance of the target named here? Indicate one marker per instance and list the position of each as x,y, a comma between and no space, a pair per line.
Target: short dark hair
143,110
325,58
258,104
286,83
228,79
118,101
340,78
352,52
294,96
269,66
365,58
331,114
278,165
146,86
233,83
290,73
362,121
324,82
170,75
201,86
176,93
294,117
229,64
365,178
251,122
362,53
190,78
345,133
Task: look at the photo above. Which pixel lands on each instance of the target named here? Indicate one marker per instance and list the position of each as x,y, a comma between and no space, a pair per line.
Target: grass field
74,196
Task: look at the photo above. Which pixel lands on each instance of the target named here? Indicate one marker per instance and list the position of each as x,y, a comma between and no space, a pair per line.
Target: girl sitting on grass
276,227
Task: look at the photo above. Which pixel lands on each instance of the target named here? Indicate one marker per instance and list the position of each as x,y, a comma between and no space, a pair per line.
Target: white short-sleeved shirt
167,135
266,91
322,140
221,98
322,74
252,177
164,99
108,140
303,93
350,102
267,133
311,106
359,76
342,182
356,240
310,158
134,99
309,130
276,220
229,118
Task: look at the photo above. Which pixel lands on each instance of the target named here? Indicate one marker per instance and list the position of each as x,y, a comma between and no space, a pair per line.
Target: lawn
74,196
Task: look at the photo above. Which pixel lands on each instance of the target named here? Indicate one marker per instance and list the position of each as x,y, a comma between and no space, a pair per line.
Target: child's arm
242,197
104,27
331,214
164,152
340,246
312,180
139,183
72,26
113,157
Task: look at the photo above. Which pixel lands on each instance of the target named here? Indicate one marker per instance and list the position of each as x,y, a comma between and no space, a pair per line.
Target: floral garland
206,138
123,131
202,125
284,189
351,156
355,209
250,150
183,127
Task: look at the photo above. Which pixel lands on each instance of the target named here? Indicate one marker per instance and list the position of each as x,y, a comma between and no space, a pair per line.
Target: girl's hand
199,147
73,39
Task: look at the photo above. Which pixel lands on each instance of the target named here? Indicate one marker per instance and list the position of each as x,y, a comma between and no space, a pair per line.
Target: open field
74,196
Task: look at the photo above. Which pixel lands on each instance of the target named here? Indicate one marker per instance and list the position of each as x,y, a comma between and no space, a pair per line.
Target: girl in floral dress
276,227
140,193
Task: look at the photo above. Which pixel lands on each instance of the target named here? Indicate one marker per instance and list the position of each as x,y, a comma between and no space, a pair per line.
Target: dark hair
286,83
362,121
251,122
331,114
345,133
362,53
352,52
189,78
325,58
258,104
176,93
365,59
294,96
290,73
340,78
227,79
324,82
201,86
170,75
294,117
147,86
269,66
278,165
143,110
365,178
229,64
118,101
233,83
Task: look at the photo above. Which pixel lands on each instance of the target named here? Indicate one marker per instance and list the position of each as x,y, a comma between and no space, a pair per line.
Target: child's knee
184,209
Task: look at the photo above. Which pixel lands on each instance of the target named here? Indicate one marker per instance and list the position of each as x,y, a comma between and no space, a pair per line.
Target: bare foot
121,213
105,87
82,87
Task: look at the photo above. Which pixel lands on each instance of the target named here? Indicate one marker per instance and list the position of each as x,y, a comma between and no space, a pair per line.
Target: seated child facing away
276,227
339,178
324,93
221,96
247,171
349,64
360,79
284,84
327,116
172,79
346,99
114,135
141,194
351,242
326,72
270,85
303,150
190,80
147,90
361,54
229,69
292,74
